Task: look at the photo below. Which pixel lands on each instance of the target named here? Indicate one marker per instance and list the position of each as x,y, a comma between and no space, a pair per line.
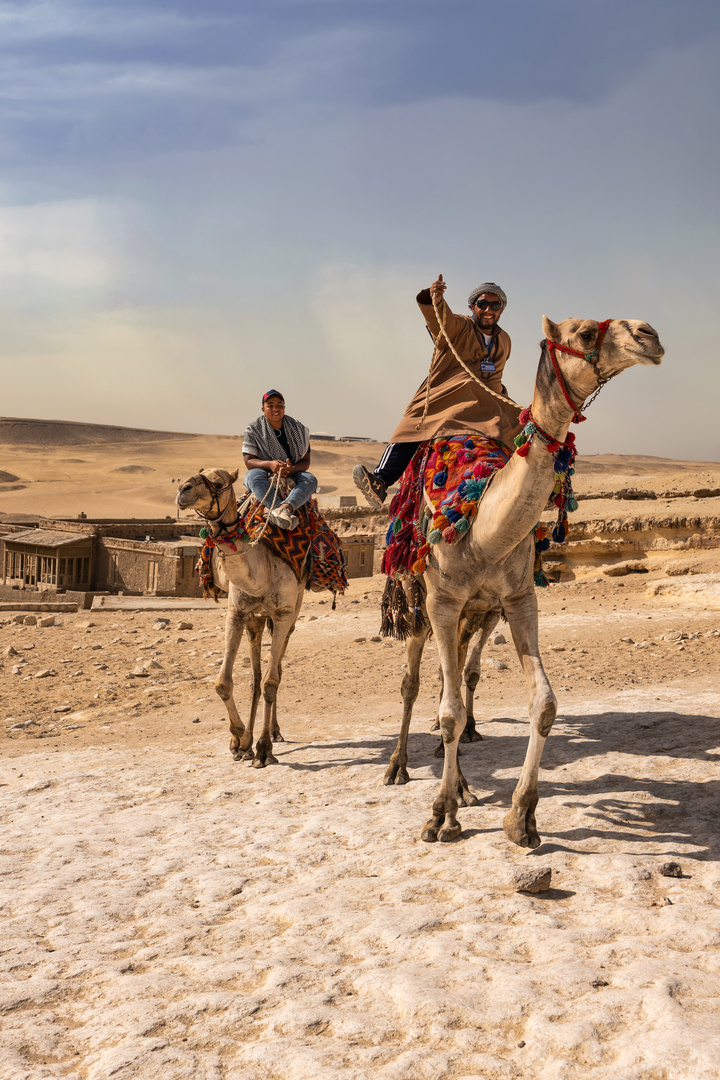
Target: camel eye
587,336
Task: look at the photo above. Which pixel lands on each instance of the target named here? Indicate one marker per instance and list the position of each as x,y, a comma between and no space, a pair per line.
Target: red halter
591,357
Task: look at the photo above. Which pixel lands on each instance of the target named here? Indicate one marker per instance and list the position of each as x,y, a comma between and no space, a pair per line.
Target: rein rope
470,372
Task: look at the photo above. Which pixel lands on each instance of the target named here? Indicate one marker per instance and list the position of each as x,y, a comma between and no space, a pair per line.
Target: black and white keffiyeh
261,441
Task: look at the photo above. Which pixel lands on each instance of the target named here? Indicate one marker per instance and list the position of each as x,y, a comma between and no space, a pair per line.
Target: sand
170,913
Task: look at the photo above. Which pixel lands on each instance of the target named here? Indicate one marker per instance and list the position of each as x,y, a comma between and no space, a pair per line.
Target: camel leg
255,627
396,772
234,626
282,629
471,675
275,731
440,748
443,825
519,823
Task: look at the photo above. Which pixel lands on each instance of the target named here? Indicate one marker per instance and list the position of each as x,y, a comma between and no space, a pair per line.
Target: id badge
487,365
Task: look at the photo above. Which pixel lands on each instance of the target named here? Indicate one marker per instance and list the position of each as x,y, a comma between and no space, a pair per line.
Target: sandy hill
62,468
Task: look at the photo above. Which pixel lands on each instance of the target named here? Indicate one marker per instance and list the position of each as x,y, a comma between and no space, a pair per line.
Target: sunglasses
494,305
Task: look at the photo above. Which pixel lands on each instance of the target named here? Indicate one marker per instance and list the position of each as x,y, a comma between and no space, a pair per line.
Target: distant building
355,438
322,436
153,558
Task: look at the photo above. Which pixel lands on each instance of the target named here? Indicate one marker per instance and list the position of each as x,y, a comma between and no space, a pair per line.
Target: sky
199,202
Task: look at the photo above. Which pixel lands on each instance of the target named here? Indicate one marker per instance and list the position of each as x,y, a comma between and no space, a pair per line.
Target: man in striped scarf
276,444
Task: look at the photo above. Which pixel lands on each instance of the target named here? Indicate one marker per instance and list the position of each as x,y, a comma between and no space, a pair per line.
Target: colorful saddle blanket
313,544
449,476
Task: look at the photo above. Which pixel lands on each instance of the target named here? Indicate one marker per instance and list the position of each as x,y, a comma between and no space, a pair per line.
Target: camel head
207,490
589,353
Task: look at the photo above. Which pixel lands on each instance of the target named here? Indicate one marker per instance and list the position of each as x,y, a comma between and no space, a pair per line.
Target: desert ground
170,913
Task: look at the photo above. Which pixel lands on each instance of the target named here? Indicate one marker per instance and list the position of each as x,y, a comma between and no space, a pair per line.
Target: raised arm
425,302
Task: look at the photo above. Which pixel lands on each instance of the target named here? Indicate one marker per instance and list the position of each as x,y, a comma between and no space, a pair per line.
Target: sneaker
371,486
284,518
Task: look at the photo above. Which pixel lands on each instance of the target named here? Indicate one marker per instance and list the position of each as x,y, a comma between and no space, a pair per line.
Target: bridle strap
215,501
590,357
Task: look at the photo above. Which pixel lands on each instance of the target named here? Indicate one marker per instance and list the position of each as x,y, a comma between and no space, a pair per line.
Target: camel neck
514,503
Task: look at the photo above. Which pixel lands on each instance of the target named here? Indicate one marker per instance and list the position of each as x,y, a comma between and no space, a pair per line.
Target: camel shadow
383,747
671,810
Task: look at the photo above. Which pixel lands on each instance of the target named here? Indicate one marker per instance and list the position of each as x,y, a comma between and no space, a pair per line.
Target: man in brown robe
457,405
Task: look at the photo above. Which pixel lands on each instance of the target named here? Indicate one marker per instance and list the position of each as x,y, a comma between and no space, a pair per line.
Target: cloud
67,246
107,81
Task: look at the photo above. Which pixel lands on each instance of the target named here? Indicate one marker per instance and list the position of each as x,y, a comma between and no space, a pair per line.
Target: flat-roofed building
48,559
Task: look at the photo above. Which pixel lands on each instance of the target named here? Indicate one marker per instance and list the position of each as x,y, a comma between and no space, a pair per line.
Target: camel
488,573
261,589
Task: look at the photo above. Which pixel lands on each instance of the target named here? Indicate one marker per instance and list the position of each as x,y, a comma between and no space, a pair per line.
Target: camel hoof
277,737
448,833
266,759
466,798
395,774
519,832
429,834
246,755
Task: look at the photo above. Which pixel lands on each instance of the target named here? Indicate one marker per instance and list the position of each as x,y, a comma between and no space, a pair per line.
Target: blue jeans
258,481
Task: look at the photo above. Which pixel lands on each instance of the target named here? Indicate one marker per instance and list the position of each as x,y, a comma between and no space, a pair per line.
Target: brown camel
489,571
261,589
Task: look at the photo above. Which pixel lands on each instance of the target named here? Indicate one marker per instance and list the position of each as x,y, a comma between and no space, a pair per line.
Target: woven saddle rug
449,475
312,545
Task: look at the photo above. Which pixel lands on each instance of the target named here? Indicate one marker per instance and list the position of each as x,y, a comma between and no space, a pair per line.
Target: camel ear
232,477
551,330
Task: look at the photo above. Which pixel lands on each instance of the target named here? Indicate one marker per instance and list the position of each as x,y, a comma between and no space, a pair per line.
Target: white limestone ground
177,915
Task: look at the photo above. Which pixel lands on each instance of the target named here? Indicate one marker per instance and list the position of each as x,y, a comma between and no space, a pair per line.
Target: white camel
489,571
261,589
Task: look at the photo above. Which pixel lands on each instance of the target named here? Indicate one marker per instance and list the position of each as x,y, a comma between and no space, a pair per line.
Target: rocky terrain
168,912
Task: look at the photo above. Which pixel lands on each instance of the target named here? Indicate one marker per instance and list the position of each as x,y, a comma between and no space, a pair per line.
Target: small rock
246,661
152,664
196,720
313,618
628,640
497,665
11,652
138,673
96,647
62,708
184,626
47,620
674,635
621,569
556,648
498,639
16,669
45,673
39,785
23,724
376,637
671,869
30,620
360,640
532,881
161,624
